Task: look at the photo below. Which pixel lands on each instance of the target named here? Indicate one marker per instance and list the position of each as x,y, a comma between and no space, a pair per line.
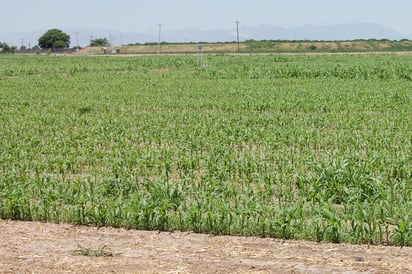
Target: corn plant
294,147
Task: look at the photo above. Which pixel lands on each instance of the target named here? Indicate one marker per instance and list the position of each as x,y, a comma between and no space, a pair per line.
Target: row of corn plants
293,147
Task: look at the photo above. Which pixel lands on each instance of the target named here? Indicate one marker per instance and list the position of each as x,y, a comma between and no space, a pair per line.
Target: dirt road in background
32,247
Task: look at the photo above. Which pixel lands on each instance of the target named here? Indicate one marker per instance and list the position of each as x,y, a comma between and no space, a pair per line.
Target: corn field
293,147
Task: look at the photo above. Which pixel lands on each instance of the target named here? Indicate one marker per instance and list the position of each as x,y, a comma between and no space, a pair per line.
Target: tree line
53,39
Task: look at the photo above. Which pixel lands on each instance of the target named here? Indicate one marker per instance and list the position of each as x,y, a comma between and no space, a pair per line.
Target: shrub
59,45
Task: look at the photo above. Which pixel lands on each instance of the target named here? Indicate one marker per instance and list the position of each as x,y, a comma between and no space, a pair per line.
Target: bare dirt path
33,247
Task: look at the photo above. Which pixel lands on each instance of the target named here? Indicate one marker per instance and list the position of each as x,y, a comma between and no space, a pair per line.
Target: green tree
99,42
48,39
4,48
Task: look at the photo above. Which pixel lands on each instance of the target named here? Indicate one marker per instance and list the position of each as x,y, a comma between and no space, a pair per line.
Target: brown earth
273,48
33,247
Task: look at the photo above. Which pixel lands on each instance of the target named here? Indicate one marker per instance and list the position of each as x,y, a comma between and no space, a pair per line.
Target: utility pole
110,41
237,34
77,39
160,30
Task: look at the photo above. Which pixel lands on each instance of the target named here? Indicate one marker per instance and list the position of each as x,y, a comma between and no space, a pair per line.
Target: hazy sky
144,15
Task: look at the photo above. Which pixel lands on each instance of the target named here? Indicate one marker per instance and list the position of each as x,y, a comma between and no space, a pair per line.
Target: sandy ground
33,247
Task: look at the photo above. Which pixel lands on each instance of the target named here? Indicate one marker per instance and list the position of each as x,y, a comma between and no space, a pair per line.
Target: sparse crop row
300,147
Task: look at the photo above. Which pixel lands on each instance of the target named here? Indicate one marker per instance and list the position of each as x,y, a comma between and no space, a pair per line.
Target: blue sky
143,16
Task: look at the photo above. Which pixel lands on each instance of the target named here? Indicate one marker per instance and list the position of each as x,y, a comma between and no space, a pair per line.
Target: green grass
302,147
102,251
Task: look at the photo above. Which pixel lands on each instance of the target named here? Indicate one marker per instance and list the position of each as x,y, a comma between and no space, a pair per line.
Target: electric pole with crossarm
160,30
237,35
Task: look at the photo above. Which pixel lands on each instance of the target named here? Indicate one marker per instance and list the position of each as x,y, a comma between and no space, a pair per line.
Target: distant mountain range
82,36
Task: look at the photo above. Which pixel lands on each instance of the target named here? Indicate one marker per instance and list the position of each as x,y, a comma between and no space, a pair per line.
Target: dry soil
33,247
